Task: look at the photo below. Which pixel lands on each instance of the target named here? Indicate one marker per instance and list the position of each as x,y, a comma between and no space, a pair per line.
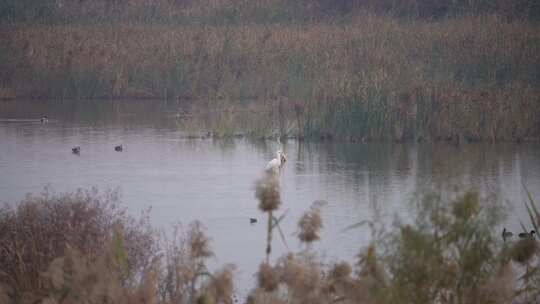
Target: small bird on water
118,148
527,235
252,220
76,150
506,234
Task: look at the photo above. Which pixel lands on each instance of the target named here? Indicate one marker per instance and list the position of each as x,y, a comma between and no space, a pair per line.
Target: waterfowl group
523,235
77,149
273,166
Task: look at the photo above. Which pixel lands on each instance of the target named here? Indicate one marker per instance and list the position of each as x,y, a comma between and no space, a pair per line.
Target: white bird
275,164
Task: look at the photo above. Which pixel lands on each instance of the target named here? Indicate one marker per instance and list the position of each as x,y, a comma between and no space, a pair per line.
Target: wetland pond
212,180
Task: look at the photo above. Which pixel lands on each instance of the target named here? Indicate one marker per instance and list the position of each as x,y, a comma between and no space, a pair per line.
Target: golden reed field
360,76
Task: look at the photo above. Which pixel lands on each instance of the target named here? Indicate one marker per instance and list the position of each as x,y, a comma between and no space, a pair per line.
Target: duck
118,148
44,119
527,235
76,150
506,234
252,220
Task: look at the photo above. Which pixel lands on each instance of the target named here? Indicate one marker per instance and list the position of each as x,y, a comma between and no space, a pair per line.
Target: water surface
184,179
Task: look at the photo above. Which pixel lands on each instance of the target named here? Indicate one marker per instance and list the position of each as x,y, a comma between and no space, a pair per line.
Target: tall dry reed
370,77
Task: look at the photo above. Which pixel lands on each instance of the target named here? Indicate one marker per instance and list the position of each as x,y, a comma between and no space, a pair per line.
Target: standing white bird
275,164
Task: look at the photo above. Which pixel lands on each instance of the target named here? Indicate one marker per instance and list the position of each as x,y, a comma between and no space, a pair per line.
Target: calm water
212,180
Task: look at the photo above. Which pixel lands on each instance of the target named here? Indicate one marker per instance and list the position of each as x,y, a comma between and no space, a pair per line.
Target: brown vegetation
63,249
38,229
367,76
449,255
310,225
234,11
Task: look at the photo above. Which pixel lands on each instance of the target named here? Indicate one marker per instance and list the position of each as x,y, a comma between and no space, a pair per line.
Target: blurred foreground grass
81,248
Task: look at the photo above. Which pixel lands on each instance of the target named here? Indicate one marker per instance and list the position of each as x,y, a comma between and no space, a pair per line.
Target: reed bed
370,78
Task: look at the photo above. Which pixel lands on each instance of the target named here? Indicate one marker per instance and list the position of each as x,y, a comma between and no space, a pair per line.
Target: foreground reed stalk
269,237
267,191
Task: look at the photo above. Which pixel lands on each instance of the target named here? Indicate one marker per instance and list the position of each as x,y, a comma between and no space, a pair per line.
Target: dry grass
73,278
310,225
82,246
301,278
262,11
267,192
39,228
267,278
184,277
370,77
450,254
